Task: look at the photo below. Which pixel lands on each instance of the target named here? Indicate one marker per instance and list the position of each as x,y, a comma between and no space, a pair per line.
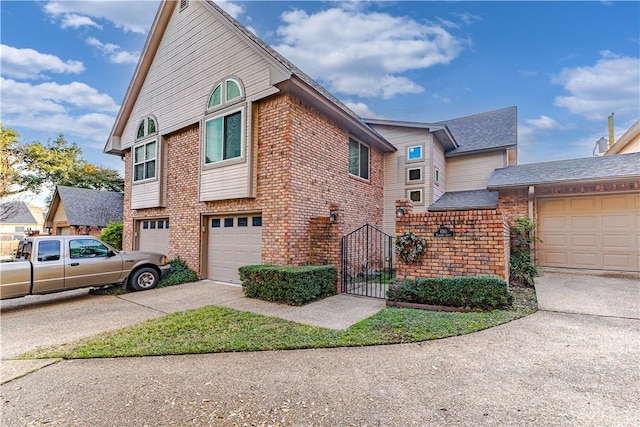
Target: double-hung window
225,122
358,159
145,152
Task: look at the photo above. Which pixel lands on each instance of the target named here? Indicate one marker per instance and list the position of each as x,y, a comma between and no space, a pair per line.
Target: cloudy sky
66,65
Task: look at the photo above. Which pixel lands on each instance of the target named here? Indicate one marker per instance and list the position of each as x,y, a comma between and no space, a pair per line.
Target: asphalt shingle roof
84,206
586,169
465,200
16,212
484,131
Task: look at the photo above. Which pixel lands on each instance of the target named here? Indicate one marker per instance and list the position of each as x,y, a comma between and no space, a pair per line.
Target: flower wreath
410,247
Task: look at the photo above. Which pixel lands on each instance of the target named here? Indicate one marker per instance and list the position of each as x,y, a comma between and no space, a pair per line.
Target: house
18,218
234,156
629,142
82,211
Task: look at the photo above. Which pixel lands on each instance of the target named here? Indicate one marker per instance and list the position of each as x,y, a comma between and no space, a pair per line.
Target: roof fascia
442,131
481,151
160,22
627,178
53,207
625,139
359,129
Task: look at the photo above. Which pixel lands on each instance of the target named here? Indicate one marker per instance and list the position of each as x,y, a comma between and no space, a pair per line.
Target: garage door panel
233,242
153,236
591,232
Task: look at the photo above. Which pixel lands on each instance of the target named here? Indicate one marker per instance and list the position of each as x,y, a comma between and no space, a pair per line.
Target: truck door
90,263
48,267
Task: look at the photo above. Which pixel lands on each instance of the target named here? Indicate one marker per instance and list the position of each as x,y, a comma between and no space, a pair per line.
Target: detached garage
233,241
587,210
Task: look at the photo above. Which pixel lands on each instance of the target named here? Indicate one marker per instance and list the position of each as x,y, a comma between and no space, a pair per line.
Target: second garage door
153,236
234,241
590,232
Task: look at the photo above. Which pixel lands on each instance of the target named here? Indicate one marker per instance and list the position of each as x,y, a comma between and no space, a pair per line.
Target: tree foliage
112,234
36,166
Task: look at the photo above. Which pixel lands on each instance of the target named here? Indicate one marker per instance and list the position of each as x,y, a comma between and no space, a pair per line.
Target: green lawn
217,329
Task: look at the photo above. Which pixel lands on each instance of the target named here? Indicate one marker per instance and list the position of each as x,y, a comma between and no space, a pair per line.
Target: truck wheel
144,278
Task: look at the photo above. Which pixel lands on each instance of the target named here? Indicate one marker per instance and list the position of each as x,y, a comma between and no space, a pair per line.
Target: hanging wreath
410,247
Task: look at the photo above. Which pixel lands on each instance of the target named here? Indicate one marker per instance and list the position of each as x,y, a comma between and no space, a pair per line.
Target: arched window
145,152
225,120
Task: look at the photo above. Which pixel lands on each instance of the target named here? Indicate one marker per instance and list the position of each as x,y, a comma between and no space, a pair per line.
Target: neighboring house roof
625,143
465,200
566,171
84,206
16,212
497,129
359,127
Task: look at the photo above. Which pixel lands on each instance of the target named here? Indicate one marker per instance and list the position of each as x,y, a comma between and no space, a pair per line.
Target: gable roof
442,132
599,169
296,79
497,129
16,212
628,138
84,206
465,200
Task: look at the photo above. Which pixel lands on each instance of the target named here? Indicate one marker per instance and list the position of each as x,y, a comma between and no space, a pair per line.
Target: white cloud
547,123
56,108
362,110
76,21
30,64
231,8
363,53
116,56
131,16
611,85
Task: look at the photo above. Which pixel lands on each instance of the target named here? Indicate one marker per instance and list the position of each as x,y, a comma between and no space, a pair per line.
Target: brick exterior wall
479,247
301,167
514,203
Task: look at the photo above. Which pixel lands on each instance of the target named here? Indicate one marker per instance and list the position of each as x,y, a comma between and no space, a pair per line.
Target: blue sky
66,65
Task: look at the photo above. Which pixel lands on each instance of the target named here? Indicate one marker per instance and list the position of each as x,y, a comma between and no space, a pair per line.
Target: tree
112,234
30,167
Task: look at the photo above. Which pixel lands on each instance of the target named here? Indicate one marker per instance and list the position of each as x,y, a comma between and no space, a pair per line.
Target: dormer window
224,127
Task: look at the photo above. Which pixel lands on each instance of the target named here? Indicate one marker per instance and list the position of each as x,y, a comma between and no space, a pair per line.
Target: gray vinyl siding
472,172
185,69
395,170
438,162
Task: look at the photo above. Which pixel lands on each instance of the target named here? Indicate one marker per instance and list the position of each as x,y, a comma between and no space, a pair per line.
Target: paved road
550,368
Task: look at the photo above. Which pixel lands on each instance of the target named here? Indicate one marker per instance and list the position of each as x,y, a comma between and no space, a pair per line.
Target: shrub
289,285
180,273
477,292
112,234
521,269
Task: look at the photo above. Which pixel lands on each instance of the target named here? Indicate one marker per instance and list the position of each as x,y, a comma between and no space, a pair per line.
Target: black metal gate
367,256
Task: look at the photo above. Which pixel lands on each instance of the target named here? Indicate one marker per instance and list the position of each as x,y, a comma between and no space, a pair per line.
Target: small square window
228,222
414,175
152,225
160,225
256,221
145,225
242,222
215,223
414,153
415,195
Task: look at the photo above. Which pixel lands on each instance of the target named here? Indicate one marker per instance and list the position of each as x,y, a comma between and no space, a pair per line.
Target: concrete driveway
550,368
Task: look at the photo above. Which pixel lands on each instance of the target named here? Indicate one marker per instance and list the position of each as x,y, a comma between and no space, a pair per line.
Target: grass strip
218,329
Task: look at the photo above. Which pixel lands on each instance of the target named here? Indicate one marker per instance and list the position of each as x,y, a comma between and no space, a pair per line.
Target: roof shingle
465,200
84,206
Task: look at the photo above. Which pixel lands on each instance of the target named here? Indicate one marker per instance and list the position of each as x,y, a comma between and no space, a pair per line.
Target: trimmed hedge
289,285
476,292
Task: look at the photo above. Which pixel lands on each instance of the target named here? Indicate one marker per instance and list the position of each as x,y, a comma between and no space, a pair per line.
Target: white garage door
590,232
153,235
234,241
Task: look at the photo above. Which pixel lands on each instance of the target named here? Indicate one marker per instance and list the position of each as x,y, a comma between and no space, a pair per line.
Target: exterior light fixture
400,212
333,216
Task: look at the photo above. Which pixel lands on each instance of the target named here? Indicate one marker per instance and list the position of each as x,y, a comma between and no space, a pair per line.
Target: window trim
408,180
243,137
408,160
360,144
411,190
134,164
436,176
224,103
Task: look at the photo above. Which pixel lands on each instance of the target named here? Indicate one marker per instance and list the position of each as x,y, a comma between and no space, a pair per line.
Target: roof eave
521,185
441,131
483,150
163,15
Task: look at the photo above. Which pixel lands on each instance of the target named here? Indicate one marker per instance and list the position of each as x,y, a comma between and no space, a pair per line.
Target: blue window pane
256,221
228,222
215,223
242,222
415,153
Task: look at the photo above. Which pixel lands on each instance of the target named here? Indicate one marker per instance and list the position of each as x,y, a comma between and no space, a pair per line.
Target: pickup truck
59,263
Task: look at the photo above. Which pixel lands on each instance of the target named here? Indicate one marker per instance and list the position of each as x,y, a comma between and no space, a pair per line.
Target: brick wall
514,203
479,246
301,169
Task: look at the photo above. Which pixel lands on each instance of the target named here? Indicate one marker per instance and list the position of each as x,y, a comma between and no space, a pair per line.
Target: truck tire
144,278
